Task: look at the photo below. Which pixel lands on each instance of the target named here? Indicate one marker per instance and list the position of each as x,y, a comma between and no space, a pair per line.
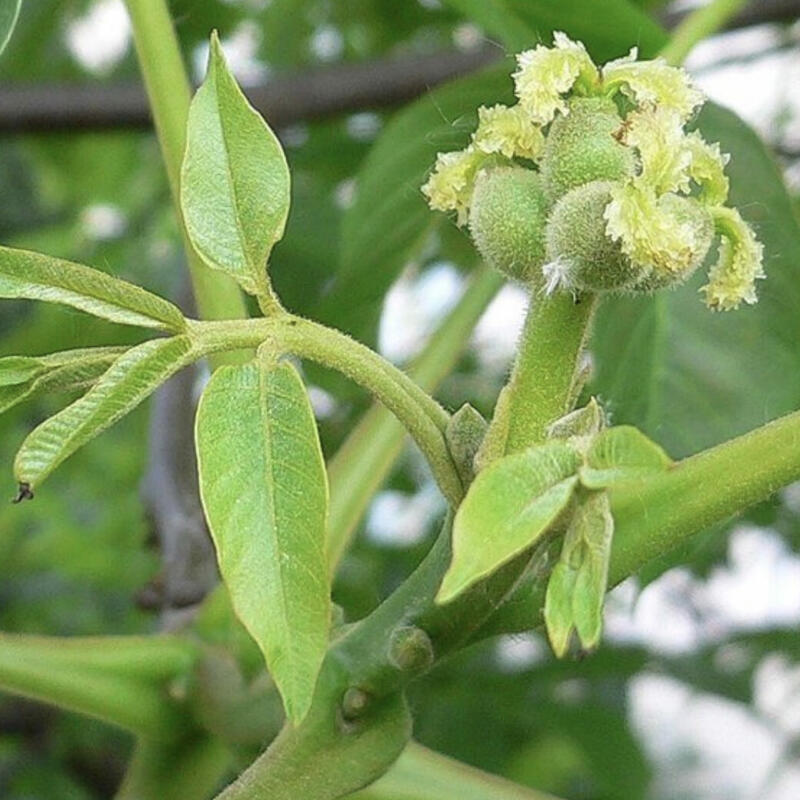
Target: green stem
191,768
548,360
121,680
422,774
365,458
421,415
697,25
655,516
169,92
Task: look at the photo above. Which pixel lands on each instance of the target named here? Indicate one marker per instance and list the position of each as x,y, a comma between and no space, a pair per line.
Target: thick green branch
656,516
169,93
121,680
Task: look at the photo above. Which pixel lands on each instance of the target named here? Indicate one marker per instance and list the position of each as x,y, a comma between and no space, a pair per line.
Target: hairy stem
704,21
662,513
169,93
363,461
548,362
422,416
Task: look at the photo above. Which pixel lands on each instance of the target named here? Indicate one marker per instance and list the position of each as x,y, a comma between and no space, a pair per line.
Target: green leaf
265,494
558,617
596,525
9,14
692,378
497,19
507,509
584,422
128,381
33,276
620,455
607,35
577,586
22,377
234,181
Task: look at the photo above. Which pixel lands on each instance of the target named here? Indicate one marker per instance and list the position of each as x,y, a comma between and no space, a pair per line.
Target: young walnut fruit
580,255
507,221
581,147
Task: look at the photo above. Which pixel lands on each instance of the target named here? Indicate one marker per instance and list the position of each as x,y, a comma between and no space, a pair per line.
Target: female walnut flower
590,182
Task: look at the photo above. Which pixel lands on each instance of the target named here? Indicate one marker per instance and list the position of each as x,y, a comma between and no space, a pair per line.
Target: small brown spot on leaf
23,493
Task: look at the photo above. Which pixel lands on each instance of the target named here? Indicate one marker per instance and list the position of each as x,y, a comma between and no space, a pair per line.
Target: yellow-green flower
547,73
731,280
657,134
449,187
660,206
707,169
653,83
648,232
508,131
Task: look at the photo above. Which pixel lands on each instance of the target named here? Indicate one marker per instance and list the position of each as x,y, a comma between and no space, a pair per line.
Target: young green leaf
33,276
558,607
508,507
596,525
577,586
620,455
9,14
583,422
234,181
265,494
22,377
128,381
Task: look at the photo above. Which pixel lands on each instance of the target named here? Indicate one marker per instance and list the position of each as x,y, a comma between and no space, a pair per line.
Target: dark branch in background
171,500
283,100
170,497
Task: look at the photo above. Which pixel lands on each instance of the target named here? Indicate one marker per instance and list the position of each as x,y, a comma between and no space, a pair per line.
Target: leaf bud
410,649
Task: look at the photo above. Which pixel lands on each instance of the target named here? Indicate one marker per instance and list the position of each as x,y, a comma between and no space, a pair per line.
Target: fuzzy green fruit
507,221
685,209
580,254
581,147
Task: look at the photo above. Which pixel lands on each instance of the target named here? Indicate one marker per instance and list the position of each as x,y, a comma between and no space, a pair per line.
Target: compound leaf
265,494
128,381
33,276
507,508
22,377
234,181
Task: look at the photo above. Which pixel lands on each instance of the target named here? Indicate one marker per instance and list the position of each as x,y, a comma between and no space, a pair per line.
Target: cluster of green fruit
591,184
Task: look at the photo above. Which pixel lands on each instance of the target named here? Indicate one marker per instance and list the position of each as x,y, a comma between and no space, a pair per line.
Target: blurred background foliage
78,560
